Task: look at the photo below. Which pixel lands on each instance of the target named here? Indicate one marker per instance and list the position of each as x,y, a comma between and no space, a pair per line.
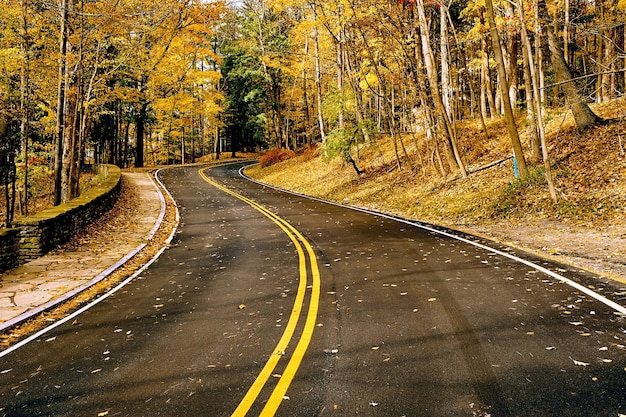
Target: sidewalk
42,283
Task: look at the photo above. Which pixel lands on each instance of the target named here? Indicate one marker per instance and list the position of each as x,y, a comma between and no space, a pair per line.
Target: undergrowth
589,171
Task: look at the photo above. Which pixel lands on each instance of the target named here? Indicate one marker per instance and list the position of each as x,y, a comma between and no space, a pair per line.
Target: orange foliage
274,156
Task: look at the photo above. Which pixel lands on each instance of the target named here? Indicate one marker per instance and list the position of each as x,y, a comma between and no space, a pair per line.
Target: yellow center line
307,333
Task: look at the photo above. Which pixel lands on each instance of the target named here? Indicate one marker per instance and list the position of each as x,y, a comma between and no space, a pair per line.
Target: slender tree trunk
318,86
140,126
531,112
539,55
487,80
446,90
60,116
305,99
25,98
566,33
508,111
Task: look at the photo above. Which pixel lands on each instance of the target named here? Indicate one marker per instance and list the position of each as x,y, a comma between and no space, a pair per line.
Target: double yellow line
304,249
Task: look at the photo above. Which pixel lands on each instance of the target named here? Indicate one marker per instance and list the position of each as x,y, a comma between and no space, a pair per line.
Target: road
272,304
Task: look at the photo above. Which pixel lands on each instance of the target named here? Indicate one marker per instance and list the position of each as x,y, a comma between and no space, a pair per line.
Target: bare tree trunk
508,111
60,116
446,91
566,33
487,80
25,98
531,112
318,86
539,55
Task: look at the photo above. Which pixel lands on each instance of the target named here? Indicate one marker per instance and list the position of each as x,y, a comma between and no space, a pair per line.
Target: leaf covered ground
586,227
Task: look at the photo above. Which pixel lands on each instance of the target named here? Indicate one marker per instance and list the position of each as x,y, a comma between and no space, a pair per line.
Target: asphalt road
272,304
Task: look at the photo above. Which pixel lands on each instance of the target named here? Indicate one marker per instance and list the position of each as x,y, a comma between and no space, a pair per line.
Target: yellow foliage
370,82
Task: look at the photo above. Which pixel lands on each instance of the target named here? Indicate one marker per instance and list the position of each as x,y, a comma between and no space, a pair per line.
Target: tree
431,71
583,115
504,88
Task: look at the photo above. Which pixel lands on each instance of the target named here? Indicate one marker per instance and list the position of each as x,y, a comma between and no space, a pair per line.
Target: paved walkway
55,277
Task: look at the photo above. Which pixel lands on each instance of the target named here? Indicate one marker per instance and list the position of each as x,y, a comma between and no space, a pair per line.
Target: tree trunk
531,112
318,86
583,115
508,111
25,98
488,88
60,116
140,125
446,90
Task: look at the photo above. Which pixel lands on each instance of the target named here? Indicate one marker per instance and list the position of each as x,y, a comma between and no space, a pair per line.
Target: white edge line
171,236
617,307
81,310
157,224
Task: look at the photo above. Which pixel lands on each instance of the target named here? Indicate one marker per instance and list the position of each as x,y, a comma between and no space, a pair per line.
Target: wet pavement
59,275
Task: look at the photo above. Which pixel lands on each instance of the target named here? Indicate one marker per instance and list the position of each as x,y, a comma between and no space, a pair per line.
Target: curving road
273,304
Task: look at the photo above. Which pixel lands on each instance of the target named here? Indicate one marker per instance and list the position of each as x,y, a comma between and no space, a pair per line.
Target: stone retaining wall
9,248
50,228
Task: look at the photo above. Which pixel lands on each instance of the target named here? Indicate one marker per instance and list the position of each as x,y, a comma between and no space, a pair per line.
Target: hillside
585,228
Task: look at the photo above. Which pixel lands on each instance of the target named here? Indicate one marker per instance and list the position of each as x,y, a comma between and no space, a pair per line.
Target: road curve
273,304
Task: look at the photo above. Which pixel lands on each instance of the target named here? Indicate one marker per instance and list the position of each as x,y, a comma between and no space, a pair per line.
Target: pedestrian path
37,285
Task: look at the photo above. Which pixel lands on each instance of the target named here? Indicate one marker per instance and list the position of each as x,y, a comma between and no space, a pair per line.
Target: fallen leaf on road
241,306
579,363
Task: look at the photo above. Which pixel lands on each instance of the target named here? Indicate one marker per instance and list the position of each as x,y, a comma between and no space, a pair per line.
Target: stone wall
9,248
50,228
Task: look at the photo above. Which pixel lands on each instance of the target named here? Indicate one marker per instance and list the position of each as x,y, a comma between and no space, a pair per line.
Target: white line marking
617,307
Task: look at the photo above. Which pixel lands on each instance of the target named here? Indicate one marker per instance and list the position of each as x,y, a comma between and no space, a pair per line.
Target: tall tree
504,88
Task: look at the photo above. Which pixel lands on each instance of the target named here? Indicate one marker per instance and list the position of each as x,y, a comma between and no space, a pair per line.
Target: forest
144,83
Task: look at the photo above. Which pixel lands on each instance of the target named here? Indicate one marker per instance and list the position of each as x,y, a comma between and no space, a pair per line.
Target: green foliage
246,99
338,104
341,141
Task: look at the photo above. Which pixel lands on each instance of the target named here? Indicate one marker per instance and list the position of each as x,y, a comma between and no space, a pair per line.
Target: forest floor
586,227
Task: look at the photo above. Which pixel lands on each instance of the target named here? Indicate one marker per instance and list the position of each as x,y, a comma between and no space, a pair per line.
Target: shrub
274,156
